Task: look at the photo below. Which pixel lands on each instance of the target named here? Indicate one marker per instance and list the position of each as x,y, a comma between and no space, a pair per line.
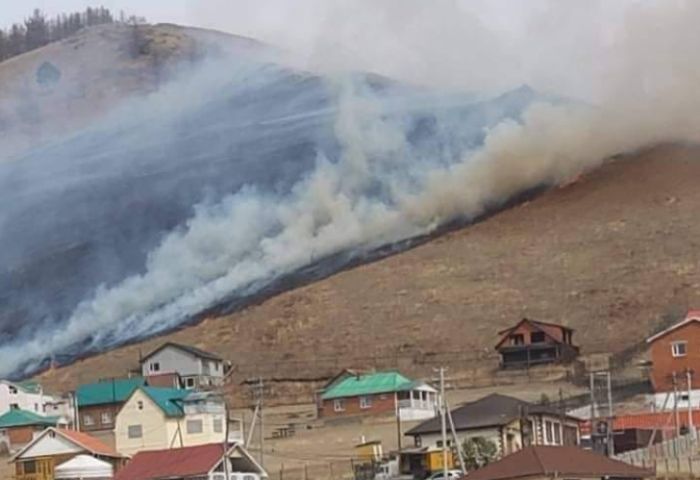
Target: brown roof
90,443
196,352
550,329
173,463
564,462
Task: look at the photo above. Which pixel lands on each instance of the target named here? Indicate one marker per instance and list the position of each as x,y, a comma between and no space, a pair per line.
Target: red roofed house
542,462
675,358
530,342
55,446
203,462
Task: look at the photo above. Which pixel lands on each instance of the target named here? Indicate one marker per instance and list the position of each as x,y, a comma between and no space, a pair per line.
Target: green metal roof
108,391
168,399
29,387
23,418
382,382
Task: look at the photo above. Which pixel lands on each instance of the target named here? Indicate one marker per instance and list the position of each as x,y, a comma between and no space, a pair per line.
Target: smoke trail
391,177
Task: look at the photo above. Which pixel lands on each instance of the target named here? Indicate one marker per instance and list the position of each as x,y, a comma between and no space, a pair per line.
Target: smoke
391,162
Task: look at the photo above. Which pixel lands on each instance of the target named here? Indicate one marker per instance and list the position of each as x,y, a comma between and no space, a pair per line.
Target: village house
507,422
99,403
54,447
192,368
27,396
376,393
547,462
530,343
203,462
19,427
675,364
157,418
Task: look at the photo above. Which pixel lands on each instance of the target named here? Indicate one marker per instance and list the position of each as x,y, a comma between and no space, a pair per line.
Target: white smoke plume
643,89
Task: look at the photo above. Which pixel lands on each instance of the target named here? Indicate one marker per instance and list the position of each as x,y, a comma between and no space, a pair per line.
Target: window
218,425
678,349
154,367
339,405
518,339
135,431
13,390
549,429
189,383
88,420
106,418
139,405
417,441
439,443
29,467
194,426
365,402
557,434
537,337
14,406
36,407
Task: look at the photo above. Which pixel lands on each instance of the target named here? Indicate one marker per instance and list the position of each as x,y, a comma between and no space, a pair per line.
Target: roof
168,400
175,463
368,384
494,410
23,418
550,329
84,466
649,421
185,348
561,462
690,317
28,387
105,392
82,440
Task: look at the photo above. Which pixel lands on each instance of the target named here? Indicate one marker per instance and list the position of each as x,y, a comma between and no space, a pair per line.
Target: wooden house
54,447
530,343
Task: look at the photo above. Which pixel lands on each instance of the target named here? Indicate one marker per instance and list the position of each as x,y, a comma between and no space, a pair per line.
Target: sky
483,45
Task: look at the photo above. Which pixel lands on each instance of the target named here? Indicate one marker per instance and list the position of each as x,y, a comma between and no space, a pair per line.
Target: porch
418,404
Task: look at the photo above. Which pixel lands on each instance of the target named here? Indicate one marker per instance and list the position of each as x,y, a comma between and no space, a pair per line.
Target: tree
4,46
17,40
37,31
479,451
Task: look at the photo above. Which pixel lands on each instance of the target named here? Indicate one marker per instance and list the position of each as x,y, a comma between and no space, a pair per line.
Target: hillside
613,255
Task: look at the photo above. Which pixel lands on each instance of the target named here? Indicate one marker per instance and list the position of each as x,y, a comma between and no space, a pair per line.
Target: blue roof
368,384
108,391
168,400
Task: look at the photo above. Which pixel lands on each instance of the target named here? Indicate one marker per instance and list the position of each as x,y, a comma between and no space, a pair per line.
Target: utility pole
261,412
460,451
225,446
611,433
443,422
398,429
689,378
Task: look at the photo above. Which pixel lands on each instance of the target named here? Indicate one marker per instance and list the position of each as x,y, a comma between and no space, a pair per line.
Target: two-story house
509,423
19,427
159,418
99,403
675,364
530,342
193,367
25,396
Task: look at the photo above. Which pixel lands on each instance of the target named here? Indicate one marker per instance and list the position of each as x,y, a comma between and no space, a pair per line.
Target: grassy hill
613,255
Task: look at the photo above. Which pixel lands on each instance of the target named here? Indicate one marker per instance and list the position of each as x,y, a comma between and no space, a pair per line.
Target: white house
23,396
509,423
194,367
160,418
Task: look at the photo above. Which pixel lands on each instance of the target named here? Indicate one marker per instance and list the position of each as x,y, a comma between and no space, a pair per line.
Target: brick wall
664,364
379,404
20,436
95,412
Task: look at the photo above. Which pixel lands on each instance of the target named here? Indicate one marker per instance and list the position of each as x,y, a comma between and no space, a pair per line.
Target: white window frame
106,418
339,405
365,402
675,349
135,431
194,427
88,420
187,383
218,425
13,390
154,367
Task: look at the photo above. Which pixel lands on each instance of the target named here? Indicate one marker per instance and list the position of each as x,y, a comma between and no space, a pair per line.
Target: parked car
451,475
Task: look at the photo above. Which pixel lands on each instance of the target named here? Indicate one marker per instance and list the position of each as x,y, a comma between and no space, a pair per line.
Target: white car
451,475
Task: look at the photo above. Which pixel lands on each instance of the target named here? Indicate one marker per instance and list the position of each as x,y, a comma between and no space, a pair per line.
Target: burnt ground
613,255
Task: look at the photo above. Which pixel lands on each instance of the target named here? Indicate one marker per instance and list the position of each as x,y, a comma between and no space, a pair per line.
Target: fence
678,457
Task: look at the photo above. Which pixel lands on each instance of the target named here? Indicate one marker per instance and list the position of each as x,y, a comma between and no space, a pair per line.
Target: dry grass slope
609,255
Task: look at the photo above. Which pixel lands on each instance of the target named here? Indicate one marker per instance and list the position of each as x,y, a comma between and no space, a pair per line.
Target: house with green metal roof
20,427
27,396
161,418
99,404
356,393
